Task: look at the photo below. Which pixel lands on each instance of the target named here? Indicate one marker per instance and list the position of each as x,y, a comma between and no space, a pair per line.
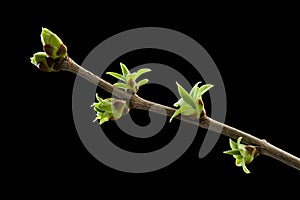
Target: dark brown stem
136,102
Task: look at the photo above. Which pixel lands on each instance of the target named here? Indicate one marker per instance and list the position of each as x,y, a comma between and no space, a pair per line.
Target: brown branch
136,102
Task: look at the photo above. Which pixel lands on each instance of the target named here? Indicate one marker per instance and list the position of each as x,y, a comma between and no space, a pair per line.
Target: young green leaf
232,152
142,82
238,157
109,109
131,76
105,117
98,116
124,69
192,100
245,168
106,108
243,154
177,112
121,85
117,75
99,98
249,159
185,96
141,71
233,144
199,110
179,103
97,107
242,150
194,90
203,89
239,162
187,109
239,140
130,86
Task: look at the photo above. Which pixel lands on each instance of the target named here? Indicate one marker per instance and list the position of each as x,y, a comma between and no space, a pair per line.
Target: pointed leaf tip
232,152
177,112
246,170
141,72
142,82
203,89
117,75
239,140
125,70
194,90
185,96
233,144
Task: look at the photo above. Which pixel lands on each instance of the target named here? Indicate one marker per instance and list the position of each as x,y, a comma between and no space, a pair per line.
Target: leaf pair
191,103
54,51
243,154
109,109
128,80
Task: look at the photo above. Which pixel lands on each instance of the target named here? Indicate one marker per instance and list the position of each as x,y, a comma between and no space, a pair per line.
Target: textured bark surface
136,102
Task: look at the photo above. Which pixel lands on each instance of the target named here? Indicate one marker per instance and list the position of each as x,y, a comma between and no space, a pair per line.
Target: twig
136,102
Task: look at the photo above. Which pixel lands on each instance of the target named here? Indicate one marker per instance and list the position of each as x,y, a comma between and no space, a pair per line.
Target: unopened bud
43,62
52,44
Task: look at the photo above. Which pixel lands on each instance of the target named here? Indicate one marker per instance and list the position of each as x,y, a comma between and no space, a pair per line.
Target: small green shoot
128,80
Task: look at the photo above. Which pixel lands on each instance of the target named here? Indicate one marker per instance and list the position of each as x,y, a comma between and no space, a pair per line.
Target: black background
256,52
